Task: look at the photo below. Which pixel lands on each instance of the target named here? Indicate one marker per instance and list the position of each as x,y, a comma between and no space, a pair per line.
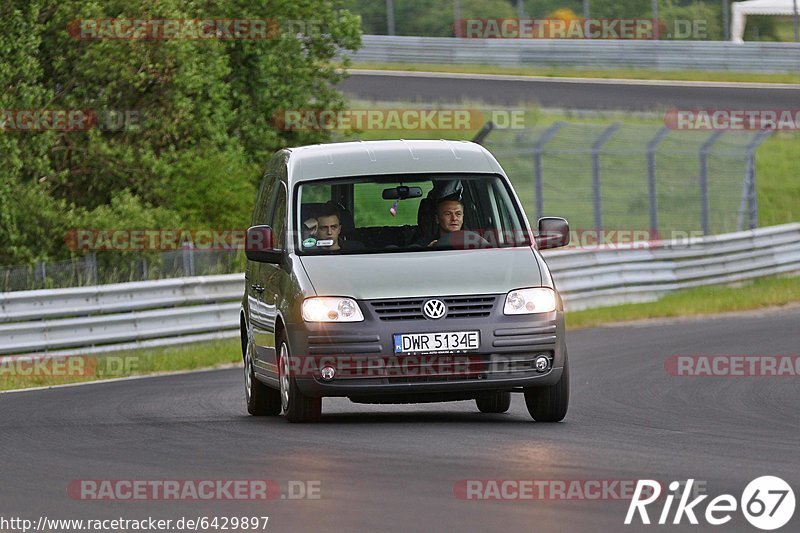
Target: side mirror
553,233
259,245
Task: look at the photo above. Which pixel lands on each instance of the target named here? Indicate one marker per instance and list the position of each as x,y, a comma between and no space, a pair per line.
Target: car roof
364,158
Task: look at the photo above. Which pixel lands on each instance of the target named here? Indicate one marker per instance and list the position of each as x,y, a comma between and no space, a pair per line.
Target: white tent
757,7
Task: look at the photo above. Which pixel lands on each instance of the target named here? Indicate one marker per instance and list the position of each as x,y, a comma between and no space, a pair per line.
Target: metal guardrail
120,316
118,297
592,53
644,272
165,312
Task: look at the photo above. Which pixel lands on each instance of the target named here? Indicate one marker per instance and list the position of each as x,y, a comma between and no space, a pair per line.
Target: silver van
399,272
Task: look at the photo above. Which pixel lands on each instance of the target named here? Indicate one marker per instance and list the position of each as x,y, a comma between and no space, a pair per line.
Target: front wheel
494,402
550,403
261,399
297,406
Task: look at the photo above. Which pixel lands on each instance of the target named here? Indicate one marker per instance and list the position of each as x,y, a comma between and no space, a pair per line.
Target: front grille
457,307
469,306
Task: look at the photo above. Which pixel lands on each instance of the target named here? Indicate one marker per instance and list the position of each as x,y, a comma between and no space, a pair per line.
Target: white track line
596,81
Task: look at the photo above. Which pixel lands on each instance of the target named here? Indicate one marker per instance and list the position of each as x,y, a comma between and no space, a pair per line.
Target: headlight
331,309
528,301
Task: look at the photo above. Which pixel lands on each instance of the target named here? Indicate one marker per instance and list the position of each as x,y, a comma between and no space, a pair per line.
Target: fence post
390,17
188,258
538,148
40,274
596,146
651,177
749,201
483,133
91,263
726,20
704,217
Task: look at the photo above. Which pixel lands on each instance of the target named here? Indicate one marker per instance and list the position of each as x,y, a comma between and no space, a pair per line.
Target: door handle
258,288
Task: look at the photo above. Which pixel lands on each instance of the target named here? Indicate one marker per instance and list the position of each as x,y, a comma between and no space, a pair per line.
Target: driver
449,218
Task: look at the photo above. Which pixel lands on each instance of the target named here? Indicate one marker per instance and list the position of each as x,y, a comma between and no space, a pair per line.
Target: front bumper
508,347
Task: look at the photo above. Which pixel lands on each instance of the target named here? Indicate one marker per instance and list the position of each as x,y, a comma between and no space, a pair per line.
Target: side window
279,219
508,223
262,214
263,200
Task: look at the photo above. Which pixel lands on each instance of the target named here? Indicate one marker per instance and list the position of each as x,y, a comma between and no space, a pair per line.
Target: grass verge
620,73
79,368
757,294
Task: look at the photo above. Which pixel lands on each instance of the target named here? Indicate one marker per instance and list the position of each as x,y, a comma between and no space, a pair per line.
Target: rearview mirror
553,233
401,192
259,245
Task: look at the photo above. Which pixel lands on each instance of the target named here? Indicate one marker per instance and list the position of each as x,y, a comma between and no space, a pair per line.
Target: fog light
328,373
542,363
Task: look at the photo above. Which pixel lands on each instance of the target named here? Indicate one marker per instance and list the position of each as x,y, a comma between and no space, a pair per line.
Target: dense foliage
199,114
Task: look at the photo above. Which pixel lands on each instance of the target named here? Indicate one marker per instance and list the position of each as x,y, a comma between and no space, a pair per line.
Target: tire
261,399
494,402
296,406
550,403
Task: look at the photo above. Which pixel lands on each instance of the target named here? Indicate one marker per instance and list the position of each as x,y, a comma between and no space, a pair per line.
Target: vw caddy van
399,272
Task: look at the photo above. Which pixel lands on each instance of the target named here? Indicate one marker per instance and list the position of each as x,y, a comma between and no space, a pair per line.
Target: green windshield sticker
310,242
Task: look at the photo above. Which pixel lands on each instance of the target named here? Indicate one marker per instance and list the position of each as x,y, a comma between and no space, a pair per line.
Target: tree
209,102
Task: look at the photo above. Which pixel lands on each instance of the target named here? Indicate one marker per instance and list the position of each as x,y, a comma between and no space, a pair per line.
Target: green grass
778,179
124,364
756,294
563,72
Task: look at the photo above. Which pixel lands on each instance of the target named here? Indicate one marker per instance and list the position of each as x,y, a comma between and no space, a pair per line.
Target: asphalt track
393,468
574,93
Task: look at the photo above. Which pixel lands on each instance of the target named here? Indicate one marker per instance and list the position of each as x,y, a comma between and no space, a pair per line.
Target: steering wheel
462,240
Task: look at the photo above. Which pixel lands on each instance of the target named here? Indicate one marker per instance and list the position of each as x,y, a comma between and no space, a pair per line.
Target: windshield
407,213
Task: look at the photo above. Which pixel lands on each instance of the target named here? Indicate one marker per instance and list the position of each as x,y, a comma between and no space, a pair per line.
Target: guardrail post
749,201
598,144
538,148
704,217
651,177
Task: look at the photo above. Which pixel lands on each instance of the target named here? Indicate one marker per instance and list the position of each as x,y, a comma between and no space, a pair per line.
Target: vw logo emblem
434,309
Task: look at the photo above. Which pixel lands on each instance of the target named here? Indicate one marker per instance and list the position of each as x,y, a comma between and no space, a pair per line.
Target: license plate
456,341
